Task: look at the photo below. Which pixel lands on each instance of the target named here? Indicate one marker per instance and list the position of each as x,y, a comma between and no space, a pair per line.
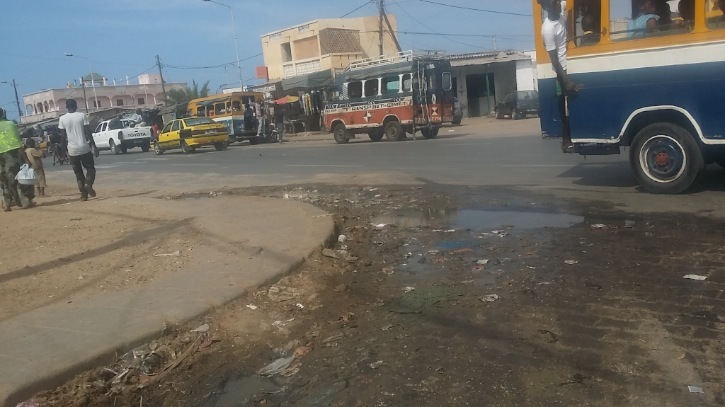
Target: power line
429,27
508,13
366,3
211,66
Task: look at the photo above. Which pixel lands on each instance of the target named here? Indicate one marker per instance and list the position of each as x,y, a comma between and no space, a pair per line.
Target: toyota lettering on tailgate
137,134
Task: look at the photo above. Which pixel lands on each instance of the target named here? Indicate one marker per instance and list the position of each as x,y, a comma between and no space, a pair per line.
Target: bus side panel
697,88
369,113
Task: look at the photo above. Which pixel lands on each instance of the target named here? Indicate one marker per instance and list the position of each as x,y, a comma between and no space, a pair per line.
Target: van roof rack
403,56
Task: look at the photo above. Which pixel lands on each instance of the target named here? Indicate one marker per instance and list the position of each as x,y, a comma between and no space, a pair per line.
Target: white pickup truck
119,135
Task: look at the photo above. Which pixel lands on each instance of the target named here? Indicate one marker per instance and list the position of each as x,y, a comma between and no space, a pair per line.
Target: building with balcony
324,45
95,92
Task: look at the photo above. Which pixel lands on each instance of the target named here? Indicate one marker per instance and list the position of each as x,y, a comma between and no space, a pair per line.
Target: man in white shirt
553,32
81,148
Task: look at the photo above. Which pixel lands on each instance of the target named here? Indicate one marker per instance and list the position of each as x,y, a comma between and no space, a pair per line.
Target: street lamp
17,100
95,97
236,47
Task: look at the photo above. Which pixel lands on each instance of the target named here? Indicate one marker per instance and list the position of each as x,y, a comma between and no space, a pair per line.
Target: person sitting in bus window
591,35
719,21
236,106
686,9
646,20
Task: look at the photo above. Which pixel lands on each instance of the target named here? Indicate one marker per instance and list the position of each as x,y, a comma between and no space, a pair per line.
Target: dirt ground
435,296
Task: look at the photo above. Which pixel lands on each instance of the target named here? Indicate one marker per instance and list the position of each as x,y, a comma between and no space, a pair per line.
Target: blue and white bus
658,89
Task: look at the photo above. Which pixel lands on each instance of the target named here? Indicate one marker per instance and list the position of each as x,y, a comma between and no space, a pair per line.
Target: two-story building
95,93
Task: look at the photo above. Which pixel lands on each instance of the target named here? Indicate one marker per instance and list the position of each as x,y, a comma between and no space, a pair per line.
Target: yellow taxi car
190,133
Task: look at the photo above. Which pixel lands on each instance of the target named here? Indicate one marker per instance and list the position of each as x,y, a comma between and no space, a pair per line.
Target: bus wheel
665,158
220,146
253,141
340,133
429,132
394,131
376,135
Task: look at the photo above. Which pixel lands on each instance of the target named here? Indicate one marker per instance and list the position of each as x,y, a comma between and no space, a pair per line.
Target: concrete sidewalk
252,241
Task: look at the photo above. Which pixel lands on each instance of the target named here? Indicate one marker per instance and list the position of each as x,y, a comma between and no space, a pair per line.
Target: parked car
190,133
457,111
518,104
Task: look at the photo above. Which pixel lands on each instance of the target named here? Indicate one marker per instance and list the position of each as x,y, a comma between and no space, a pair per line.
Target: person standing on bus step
81,148
553,32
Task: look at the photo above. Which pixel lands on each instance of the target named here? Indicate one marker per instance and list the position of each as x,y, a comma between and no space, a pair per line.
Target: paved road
481,152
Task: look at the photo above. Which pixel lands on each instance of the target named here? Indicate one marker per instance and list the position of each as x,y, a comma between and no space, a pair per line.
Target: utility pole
17,100
380,27
392,32
161,74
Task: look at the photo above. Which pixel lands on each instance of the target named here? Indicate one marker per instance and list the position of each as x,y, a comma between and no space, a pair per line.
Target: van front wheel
665,158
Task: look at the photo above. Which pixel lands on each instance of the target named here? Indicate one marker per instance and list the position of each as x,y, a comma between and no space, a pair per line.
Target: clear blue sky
122,38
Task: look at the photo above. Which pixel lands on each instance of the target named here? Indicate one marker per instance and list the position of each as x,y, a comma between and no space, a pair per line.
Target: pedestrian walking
35,159
81,148
11,156
280,115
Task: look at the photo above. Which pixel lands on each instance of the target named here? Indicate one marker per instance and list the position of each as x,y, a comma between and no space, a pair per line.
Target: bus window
236,106
218,108
391,84
715,13
447,81
632,19
371,87
354,90
588,16
201,111
407,83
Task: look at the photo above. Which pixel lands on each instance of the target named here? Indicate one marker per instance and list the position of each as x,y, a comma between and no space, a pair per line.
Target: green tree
176,96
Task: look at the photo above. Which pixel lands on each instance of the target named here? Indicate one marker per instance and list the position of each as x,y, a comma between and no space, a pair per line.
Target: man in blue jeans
81,148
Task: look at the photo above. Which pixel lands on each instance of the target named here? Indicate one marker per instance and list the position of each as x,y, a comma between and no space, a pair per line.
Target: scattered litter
174,254
388,270
571,262
342,238
387,327
408,289
28,404
376,365
329,253
300,306
482,262
489,298
276,367
444,231
696,389
380,226
203,328
599,226
695,277
286,196
333,338
432,251
545,283
252,307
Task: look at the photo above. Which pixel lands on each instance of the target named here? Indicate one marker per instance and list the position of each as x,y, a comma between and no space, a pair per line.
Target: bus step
596,149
